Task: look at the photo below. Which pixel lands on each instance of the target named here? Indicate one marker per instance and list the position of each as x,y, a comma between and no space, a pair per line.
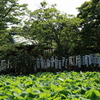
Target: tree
10,12
50,26
89,12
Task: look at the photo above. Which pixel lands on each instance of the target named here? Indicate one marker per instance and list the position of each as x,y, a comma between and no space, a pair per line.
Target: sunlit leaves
51,86
92,94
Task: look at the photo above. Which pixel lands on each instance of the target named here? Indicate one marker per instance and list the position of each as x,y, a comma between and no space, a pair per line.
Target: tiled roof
17,39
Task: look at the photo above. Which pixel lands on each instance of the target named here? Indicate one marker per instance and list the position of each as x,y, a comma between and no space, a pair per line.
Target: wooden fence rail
56,63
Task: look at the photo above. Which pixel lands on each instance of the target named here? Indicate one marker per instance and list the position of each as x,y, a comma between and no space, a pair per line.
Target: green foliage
50,26
89,12
10,12
4,38
5,45
92,94
22,61
51,86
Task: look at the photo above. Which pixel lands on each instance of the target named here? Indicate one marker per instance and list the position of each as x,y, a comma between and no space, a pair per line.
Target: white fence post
63,61
66,63
99,60
92,60
83,60
52,61
48,63
86,60
3,65
95,59
42,62
79,61
38,63
89,57
8,63
56,63
70,60
59,64
73,59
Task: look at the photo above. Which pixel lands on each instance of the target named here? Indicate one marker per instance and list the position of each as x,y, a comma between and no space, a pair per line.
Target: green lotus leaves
51,86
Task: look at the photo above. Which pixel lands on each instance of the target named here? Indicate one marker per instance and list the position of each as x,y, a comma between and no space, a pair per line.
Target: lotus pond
51,86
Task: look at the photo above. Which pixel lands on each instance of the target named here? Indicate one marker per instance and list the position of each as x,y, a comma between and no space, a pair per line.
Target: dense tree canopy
50,26
11,12
89,12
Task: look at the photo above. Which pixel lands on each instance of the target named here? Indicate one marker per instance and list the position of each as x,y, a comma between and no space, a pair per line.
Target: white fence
4,64
79,61
56,63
